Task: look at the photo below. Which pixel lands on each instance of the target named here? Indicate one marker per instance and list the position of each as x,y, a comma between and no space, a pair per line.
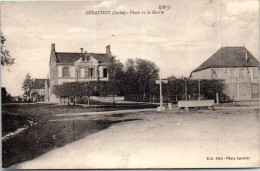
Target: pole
199,89
186,97
161,100
217,98
73,138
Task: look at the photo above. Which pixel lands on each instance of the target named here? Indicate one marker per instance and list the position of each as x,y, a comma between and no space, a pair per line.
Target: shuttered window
90,72
65,72
255,73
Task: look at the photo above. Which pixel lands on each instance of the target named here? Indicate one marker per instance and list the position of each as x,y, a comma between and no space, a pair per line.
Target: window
232,73
90,72
82,72
65,72
225,70
255,89
241,73
255,74
105,72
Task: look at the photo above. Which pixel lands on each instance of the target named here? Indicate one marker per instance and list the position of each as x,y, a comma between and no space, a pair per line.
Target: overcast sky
178,41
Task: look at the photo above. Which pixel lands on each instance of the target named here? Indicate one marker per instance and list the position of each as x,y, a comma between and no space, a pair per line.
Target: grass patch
13,122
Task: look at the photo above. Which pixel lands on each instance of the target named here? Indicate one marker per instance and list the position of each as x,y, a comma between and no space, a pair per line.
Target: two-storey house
237,67
79,66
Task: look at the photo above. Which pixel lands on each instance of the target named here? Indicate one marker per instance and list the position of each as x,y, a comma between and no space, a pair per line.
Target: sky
178,41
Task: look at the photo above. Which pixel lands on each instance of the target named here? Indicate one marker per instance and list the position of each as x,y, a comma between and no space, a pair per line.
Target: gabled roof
38,84
229,57
65,57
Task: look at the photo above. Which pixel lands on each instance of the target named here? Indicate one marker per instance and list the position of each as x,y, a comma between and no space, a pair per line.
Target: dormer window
86,57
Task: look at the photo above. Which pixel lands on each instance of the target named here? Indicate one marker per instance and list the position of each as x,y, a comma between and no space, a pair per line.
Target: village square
125,100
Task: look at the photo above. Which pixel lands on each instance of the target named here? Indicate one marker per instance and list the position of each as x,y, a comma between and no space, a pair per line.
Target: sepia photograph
130,84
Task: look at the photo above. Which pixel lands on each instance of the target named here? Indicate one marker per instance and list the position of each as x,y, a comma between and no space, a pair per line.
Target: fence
166,98
151,98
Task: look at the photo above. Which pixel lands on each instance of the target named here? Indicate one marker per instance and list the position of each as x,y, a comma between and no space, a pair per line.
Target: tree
208,88
147,73
140,76
171,78
4,94
88,89
27,85
6,58
130,80
116,75
57,90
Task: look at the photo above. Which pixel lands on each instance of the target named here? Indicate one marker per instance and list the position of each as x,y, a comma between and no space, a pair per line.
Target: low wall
107,99
195,103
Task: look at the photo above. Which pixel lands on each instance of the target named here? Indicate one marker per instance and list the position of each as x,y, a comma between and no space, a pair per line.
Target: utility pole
161,97
186,96
160,81
199,89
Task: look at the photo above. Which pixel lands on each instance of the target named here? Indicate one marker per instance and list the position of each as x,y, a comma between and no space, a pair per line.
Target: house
18,99
76,66
38,90
237,67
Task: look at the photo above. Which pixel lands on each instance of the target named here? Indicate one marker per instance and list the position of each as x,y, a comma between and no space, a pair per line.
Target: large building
37,92
78,66
238,68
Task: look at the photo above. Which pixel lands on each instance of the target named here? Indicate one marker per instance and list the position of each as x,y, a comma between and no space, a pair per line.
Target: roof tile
65,57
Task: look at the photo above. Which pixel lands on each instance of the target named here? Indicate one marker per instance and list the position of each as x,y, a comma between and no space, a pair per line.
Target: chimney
108,50
81,50
246,57
53,47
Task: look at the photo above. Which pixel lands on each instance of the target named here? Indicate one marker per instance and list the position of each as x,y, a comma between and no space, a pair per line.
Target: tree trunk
74,101
68,101
88,100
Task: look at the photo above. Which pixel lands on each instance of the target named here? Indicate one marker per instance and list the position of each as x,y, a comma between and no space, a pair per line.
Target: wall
107,99
71,71
235,85
225,73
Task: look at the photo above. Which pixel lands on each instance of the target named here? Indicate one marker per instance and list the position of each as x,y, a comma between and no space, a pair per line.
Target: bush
208,88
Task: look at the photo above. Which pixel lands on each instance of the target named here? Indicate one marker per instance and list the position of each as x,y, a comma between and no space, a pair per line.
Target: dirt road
173,139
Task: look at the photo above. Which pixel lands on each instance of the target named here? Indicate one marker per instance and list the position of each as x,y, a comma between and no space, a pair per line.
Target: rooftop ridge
83,53
234,46
38,78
